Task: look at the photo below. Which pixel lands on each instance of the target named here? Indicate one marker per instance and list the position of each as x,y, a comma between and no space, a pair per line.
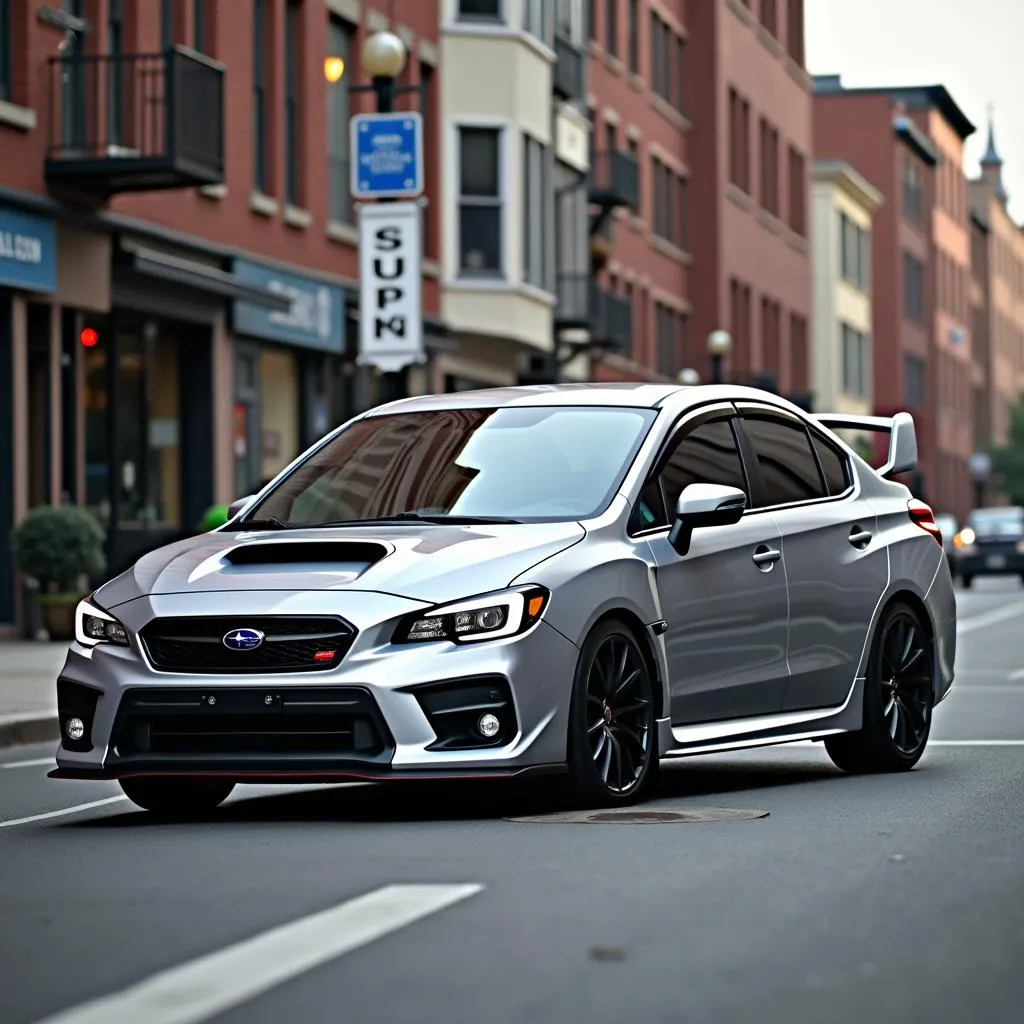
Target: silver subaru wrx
577,580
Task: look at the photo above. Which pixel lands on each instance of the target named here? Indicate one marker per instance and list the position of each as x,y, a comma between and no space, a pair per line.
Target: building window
856,363
539,20
854,253
260,84
913,288
670,339
481,10
739,141
769,168
771,338
480,202
340,36
795,30
634,36
115,47
535,220
6,18
634,151
913,190
667,61
199,26
913,382
166,24
799,353
668,216
292,106
611,27
770,16
797,192
591,16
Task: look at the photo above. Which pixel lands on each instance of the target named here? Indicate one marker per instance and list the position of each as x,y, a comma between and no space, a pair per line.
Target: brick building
997,299
188,209
908,142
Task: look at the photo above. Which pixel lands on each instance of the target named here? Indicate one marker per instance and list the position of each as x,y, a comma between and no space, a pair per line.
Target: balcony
614,179
583,305
567,78
135,122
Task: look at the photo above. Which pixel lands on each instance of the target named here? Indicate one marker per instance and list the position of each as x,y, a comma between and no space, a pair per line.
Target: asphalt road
885,899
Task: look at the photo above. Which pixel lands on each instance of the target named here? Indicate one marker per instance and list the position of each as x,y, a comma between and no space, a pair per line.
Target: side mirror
238,504
704,505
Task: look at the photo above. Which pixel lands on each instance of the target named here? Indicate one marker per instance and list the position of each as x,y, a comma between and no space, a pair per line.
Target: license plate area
996,562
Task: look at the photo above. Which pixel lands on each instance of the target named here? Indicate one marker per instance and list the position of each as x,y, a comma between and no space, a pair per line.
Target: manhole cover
641,817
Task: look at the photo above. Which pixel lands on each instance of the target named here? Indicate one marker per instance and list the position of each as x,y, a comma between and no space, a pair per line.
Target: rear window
997,523
833,464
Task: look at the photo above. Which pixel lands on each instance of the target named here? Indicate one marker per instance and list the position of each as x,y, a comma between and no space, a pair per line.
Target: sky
972,47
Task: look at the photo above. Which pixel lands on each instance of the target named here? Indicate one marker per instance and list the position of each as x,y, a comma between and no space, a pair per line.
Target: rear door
836,566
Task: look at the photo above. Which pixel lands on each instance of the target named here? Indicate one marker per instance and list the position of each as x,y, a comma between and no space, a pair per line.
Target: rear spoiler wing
902,456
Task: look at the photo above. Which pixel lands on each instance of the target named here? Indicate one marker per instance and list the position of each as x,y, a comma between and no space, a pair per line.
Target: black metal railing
614,178
611,319
568,71
163,111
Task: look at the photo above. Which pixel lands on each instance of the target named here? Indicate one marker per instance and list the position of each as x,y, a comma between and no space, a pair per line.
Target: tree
1008,459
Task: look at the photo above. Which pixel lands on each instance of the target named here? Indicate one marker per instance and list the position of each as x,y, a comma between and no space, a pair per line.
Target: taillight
921,514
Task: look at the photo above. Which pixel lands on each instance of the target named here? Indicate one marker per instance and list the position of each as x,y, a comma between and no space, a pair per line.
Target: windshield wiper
439,519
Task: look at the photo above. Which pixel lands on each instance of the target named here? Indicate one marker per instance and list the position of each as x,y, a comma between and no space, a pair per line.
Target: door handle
859,537
765,557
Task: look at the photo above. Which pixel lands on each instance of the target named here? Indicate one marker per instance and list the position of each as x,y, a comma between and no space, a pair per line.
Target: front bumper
385,712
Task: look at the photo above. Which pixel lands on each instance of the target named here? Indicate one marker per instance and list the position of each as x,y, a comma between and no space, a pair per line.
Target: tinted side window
706,455
785,460
833,465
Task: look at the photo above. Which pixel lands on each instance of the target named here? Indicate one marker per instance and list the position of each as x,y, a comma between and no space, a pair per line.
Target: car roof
632,395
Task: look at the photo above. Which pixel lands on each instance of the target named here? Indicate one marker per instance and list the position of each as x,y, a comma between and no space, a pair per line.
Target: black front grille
290,644
231,724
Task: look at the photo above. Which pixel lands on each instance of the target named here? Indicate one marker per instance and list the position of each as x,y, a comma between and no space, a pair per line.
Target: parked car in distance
991,544
949,528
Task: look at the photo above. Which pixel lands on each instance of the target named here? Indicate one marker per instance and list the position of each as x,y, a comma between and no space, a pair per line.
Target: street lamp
383,57
688,377
719,344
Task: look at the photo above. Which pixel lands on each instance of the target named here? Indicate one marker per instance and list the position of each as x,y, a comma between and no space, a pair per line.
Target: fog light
488,726
75,729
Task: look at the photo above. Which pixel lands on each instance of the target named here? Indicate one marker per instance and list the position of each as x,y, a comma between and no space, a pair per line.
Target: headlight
480,618
95,626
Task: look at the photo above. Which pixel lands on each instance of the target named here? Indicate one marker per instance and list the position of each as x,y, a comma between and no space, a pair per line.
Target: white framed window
856,362
480,10
481,200
570,20
539,20
536,222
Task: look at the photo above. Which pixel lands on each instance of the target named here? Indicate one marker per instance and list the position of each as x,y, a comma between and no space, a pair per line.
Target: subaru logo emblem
243,639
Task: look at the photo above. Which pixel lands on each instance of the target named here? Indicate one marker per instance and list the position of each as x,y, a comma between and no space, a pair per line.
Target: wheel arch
642,634
917,604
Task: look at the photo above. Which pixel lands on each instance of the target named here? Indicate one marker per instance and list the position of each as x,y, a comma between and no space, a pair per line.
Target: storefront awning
202,277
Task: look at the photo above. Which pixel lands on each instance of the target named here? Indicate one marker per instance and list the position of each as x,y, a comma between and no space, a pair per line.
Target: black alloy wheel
898,698
612,743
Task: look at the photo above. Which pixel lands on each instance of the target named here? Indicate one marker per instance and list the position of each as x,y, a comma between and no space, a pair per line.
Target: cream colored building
515,144
843,206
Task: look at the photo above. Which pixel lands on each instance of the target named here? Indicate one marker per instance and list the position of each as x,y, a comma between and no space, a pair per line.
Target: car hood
433,564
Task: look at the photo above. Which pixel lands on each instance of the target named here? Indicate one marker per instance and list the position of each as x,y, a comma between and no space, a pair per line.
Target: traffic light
89,337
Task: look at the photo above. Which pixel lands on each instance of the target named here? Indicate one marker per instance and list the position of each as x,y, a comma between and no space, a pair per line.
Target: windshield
1003,522
527,464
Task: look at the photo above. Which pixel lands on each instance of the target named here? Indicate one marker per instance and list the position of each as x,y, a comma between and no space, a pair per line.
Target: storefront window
279,411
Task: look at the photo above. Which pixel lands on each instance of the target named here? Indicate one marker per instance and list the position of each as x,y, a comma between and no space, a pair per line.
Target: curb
30,729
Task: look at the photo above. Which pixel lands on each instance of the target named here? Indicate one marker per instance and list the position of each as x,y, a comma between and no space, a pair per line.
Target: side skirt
764,730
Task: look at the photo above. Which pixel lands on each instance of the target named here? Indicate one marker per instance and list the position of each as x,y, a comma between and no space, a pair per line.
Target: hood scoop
329,555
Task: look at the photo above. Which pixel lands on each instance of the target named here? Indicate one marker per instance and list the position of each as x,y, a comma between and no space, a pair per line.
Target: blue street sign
387,155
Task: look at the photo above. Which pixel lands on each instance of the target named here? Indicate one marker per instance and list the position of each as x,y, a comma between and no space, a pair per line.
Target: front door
835,566
725,600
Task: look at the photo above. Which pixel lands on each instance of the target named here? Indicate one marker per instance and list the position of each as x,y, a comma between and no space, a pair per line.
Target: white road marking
210,985
62,812
37,762
974,622
1019,674
976,743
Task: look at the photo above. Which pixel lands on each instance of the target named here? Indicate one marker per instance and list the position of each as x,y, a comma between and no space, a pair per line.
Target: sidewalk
28,691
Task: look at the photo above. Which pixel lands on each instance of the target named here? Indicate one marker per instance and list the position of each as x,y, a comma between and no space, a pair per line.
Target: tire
897,722
612,737
177,797
966,581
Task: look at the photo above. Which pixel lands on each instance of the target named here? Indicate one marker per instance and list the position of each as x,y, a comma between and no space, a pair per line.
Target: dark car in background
991,544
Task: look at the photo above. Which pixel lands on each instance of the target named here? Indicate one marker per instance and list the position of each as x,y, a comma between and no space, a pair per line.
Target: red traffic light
88,337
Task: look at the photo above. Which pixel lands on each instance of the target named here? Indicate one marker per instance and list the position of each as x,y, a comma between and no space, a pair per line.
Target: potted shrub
59,547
